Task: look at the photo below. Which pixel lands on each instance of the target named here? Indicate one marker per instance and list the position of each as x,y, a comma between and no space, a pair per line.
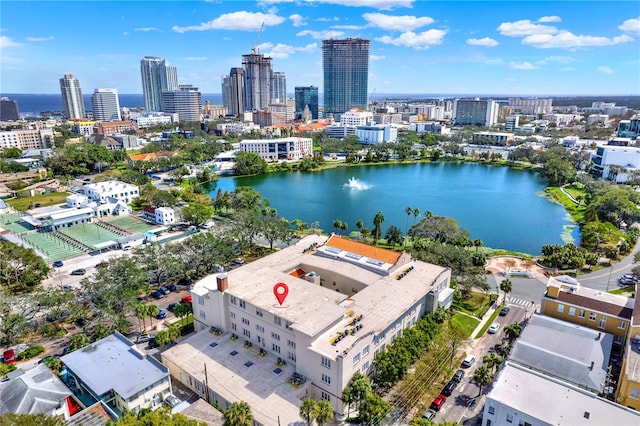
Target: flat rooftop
596,300
240,374
553,402
114,363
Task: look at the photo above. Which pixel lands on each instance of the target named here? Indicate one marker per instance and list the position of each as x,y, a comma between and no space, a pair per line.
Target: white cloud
567,40
524,27
522,66
631,26
146,29
334,19
486,42
417,41
606,70
349,27
376,57
7,42
283,51
195,58
298,20
552,18
320,35
397,23
38,39
242,20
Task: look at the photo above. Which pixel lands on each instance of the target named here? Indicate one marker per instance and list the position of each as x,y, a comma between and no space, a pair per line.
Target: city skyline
503,48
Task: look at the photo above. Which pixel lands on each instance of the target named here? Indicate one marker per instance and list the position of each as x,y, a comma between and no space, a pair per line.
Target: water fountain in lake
356,185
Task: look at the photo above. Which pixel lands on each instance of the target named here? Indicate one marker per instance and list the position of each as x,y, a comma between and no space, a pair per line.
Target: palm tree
477,244
482,376
512,331
174,333
336,224
506,286
141,313
238,414
492,361
416,213
182,310
323,413
377,226
409,212
307,410
152,312
162,338
348,397
79,340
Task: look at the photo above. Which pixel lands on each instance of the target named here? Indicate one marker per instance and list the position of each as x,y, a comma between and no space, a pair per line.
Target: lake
503,207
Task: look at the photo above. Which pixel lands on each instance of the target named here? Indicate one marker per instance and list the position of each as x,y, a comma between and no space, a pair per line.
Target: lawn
577,212
488,323
625,291
51,199
476,305
465,323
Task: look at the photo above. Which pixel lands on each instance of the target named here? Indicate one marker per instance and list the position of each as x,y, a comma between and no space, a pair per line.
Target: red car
438,402
186,299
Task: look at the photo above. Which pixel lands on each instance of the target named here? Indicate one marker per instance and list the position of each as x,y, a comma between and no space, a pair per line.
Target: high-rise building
157,77
186,101
8,110
475,112
306,96
531,106
232,86
106,106
257,81
72,97
278,88
346,74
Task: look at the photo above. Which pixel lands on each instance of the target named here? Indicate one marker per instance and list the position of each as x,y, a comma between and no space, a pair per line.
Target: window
325,362
492,408
603,322
592,316
291,344
572,311
233,300
581,314
234,327
275,348
277,321
245,321
365,366
291,356
635,393
617,340
287,325
201,300
260,328
259,312
203,315
232,314
242,304
560,307
356,359
509,418
326,379
365,351
325,396
622,325
246,332
275,336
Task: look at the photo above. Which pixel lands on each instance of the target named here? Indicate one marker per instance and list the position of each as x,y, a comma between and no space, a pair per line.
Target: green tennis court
51,246
129,223
90,234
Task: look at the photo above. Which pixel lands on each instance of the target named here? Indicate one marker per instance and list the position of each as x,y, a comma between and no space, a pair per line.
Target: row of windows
592,316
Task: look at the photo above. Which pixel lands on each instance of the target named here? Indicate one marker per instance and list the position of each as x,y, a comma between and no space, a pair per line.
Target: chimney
591,367
599,336
223,282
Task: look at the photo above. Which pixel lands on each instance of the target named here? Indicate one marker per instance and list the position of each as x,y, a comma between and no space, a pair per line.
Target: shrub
30,352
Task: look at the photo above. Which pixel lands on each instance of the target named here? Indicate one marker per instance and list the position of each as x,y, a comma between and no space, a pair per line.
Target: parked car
627,279
504,311
156,294
458,376
58,264
468,361
493,328
449,387
143,338
80,271
429,414
437,403
171,306
185,281
171,287
186,299
161,314
171,401
238,261
164,290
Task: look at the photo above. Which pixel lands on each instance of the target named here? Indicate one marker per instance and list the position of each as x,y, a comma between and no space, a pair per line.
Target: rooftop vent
586,414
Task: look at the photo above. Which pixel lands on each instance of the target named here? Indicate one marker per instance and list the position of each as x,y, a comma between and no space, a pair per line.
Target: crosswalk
522,302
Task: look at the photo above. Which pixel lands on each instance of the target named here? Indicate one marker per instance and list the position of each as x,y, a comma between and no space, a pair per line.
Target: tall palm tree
492,361
152,311
512,331
238,414
477,244
336,224
323,413
348,397
174,333
506,286
377,226
416,213
483,377
409,212
308,409
141,313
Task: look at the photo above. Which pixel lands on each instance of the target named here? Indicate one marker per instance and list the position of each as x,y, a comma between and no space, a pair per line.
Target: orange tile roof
142,157
372,252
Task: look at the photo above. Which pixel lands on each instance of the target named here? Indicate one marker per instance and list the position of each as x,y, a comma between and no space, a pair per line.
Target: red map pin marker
280,290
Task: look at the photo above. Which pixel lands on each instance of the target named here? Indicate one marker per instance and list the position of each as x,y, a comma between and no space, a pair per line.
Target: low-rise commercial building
492,138
101,191
279,149
615,162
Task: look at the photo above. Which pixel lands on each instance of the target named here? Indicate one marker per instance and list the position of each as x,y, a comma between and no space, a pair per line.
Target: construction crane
254,48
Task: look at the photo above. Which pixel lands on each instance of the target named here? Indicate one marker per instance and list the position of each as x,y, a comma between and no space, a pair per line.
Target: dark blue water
505,208
33,105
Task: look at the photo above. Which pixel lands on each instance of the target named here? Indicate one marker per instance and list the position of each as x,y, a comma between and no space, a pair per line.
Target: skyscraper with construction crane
346,74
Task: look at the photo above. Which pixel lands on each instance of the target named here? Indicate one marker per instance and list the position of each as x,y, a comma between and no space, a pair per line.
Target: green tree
492,361
393,235
162,338
11,419
21,268
506,286
348,397
374,409
377,226
308,409
409,212
249,163
78,341
323,413
238,414
512,331
182,310
197,214
483,377
159,417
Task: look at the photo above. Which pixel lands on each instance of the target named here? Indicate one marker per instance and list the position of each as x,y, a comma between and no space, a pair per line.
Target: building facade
377,133
614,162
531,106
629,128
475,112
157,77
278,88
306,96
72,99
232,91
492,138
102,191
25,139
8,110
186,102
106,105
346,75
279,149
257,73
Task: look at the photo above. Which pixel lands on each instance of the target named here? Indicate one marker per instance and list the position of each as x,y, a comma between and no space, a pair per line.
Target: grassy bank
576,211
22,203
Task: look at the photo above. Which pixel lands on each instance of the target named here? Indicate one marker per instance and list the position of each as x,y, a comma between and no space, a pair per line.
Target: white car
493,328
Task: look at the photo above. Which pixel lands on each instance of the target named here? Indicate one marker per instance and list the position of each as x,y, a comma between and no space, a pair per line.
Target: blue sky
452,47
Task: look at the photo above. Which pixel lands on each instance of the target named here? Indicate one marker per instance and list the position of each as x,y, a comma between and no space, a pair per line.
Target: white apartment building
429,127
492,138
356,117
151,118
106,105
237,127
83,128
291,148
102,191
26,139
511,122
626,157
339,131
377,133
531,106
346,301
598,118
521,396
563,119
165,216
